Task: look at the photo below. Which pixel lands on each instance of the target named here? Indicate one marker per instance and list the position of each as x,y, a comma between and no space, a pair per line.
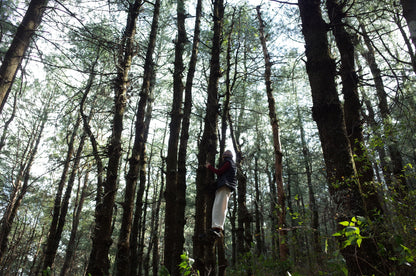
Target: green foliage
163,271
259,265
185,266
47,272
404,255
351,231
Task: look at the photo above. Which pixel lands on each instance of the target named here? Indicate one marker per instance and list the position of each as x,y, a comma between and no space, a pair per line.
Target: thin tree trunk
316,246
183,145
7,123
22,183
155,240
71,247
284,250
14,55
398,186
154,215
273,203
99,263
207,149
259,232
54,237
138,213
244,237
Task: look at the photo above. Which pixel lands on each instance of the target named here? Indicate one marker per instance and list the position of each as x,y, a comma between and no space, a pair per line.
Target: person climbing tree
224,186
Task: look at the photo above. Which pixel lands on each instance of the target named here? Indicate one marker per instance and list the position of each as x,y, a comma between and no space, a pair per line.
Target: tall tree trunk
174,242
61,203
155,239
229,86
399,186
208,147
316,245
144,265
183,145
352,109
135,253
244,237
22,182
409,13
259,232
20,43
273,203
71,247
7,122
123,246
281,211
327,112
99,263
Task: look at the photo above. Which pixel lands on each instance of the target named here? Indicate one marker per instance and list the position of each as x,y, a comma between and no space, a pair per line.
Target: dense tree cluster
110,109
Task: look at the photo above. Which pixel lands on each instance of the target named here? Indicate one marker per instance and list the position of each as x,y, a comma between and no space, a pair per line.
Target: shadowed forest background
110,109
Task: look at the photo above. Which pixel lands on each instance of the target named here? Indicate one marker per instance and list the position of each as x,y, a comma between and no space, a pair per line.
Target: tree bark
244,236
71,247
327,112
409,13
184,136
61,203
352,110
174,241
316,245
139,215
284,250
123,246
207,149
99,263
22,182
398,187
20,43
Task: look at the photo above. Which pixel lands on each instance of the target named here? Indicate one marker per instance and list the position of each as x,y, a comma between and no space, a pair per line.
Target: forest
111,109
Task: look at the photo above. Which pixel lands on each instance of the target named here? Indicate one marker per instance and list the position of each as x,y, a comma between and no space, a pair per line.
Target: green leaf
344,223
359,241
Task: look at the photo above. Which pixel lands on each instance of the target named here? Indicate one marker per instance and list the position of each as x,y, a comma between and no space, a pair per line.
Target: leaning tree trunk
62,203
21,184
99,263
283,248
71,247
207,148
14,55
398,186
174,242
